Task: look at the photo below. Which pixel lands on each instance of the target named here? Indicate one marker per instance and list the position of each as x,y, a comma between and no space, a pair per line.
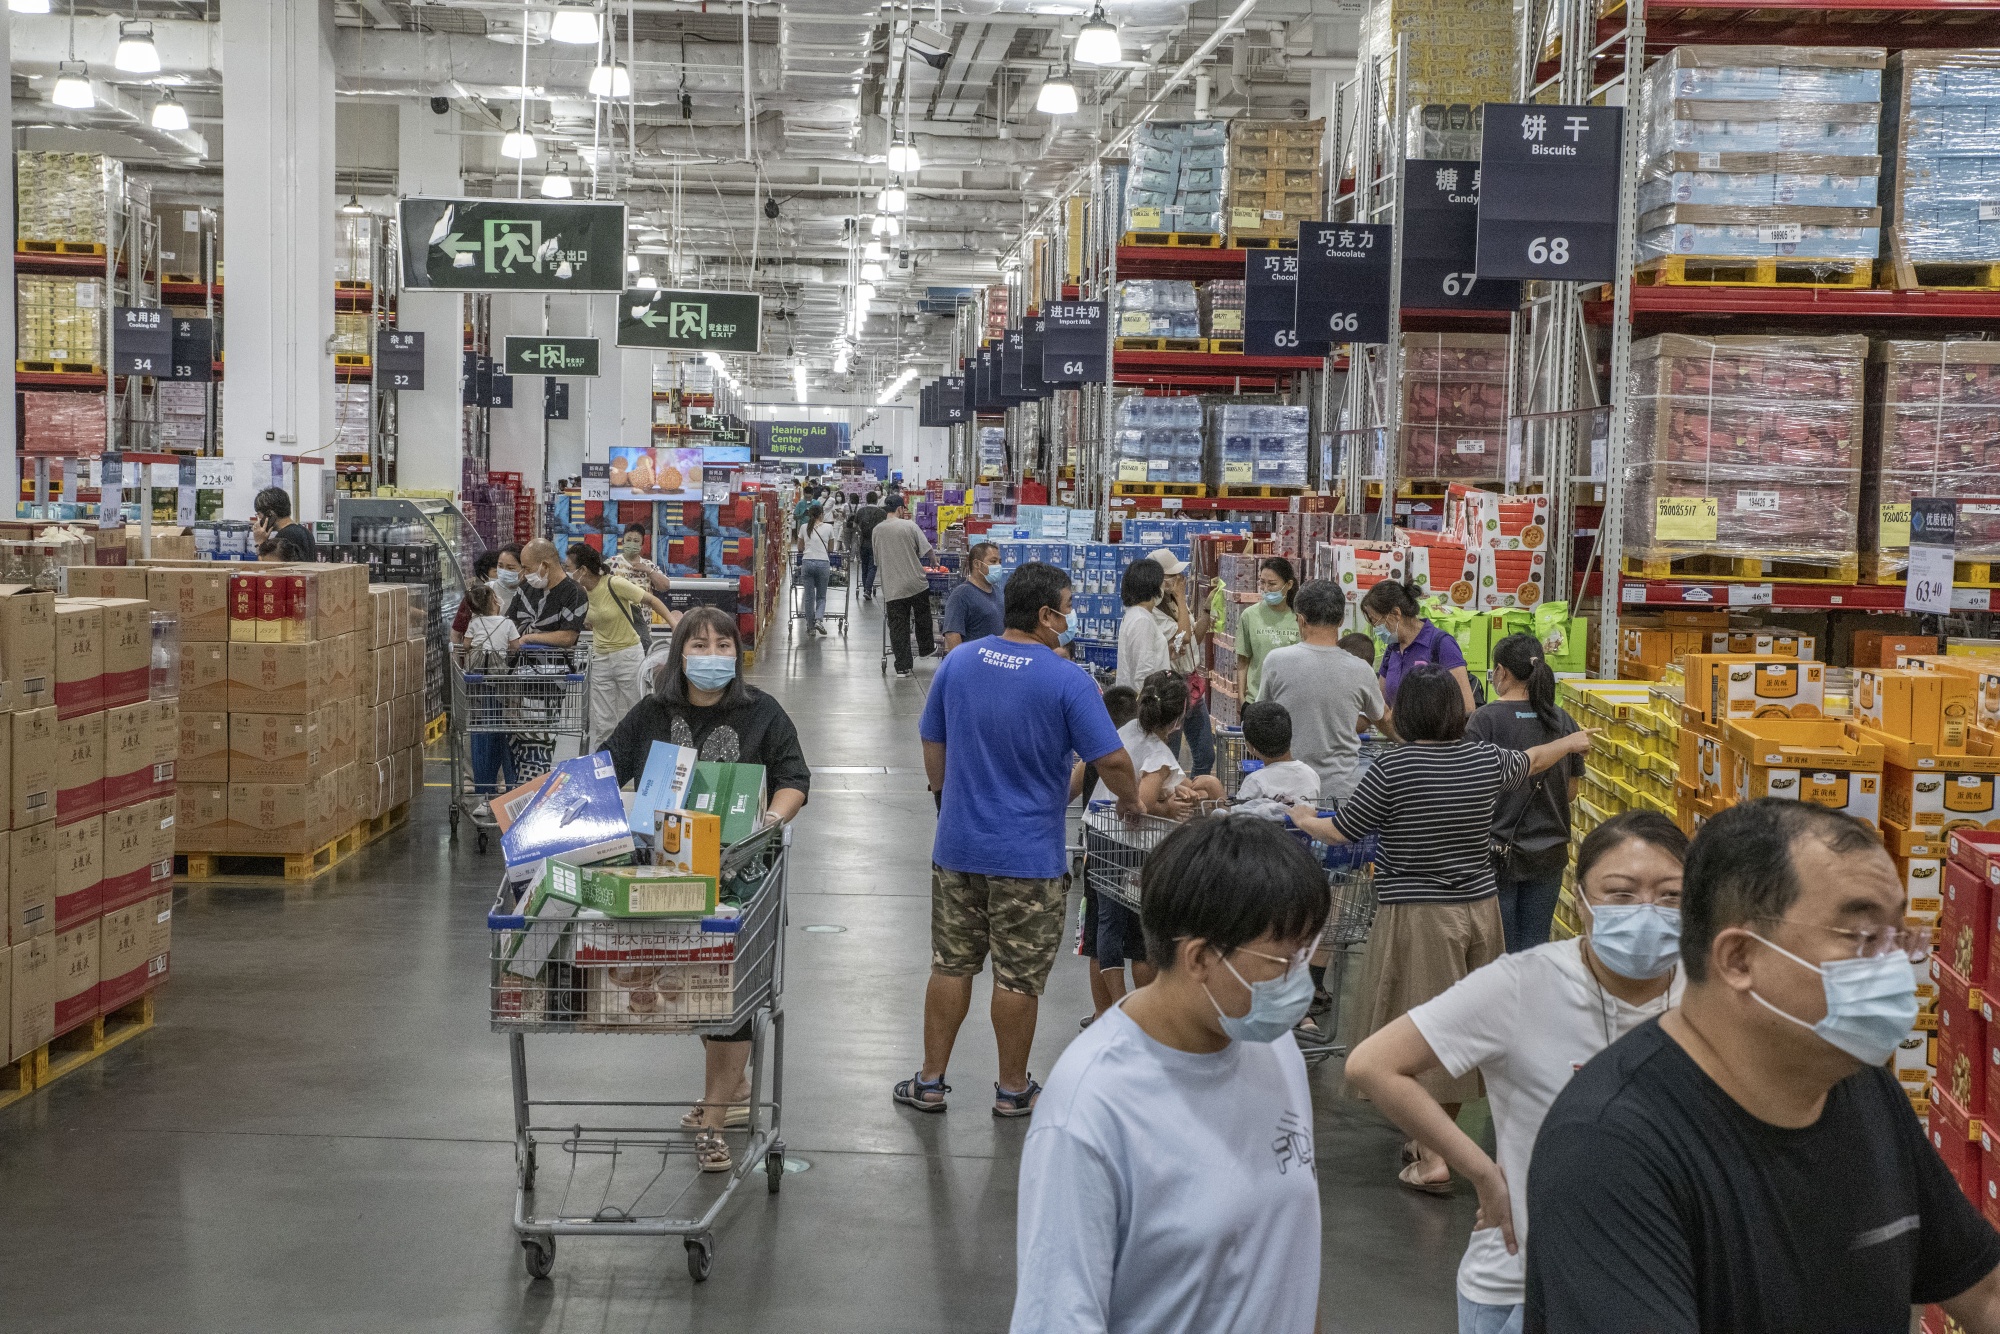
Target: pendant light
169,114
903,158
893,199
28,6
518,143
1098,43
136,52
871,273
556,184
575,25
72,88
874,250
1058,95
611,80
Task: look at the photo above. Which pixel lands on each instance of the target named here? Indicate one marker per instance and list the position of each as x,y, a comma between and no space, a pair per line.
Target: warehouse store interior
608,606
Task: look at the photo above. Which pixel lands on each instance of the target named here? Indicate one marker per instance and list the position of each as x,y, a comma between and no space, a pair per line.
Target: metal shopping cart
543,693
940,583
1229,757
706,976
836,607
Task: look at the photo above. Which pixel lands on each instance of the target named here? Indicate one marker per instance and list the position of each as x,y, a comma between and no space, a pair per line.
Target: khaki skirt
1417,951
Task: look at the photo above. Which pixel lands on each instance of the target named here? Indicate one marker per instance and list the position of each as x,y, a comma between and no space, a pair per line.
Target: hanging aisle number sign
399,359
1343,284
1441,239
1548,200
142,342
1073,338
951,400
1270,295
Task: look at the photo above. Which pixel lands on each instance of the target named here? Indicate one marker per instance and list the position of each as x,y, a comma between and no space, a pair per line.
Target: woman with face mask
1167,1182
700,700
1410,641
1270,622
1526,1022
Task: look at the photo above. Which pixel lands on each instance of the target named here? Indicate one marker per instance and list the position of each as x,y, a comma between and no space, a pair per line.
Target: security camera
903,259
932,44
771,208
441,105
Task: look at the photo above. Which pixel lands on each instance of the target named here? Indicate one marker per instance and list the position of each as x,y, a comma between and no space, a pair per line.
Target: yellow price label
1225,321
1684,518
1238,472
1245,219
1131,470
1145,218
1134,323
1895,527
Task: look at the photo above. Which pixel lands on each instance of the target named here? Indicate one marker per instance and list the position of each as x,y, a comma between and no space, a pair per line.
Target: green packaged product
733,792
629,891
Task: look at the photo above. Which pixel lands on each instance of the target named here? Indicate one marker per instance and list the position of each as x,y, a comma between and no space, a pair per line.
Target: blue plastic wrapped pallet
1157,439
1158,308
1177,177
1941,148
1263,444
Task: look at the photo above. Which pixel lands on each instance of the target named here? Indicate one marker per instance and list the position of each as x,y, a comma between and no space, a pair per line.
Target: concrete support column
278,210
635,398
431,444
516,434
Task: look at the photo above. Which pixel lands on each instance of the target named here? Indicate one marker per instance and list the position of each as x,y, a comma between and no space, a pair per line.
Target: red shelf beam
1784,597
1661,304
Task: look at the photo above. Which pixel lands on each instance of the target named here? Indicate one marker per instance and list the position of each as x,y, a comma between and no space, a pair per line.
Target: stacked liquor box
63,196
1158,308
1275,177
1941,150
1454,407
183,414
59,318
90,808
1157,439
1450,132
1745,446
1459,50
351,400
353,333
1933,430
1175,182
992,451
62,422
1755,151
1222,308
1262,445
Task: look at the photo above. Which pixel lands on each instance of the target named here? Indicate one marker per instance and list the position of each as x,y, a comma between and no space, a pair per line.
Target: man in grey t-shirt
900,548
1326,689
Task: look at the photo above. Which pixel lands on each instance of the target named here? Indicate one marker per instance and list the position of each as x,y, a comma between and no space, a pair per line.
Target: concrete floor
317,1136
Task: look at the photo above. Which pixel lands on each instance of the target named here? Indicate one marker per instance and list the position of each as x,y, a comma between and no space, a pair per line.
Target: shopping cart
545,693
1229,757
836,607
939,582
1350,877
706,976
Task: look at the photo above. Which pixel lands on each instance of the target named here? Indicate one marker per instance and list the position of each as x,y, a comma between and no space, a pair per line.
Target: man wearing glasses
1748,1163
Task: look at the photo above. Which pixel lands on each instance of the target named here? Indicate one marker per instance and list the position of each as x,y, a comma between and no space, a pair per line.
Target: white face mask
538,580
1871,1003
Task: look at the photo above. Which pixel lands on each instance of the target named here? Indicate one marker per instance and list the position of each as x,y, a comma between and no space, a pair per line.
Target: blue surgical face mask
1071,621
1636,940
710,671
1273,598
1871,1004
1275,1006
509,578
995,575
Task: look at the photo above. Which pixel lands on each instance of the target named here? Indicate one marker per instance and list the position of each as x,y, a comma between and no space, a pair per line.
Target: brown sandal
1409,1178
711,1153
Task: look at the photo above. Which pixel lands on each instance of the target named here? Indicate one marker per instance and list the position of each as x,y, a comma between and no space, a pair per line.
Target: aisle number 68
1549,250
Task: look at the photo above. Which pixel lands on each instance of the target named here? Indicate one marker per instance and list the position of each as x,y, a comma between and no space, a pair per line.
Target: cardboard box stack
1745,445
1454,407
1941,161
60,319
1275,177
86,858
1957,1025
65,196
1459,50
419,568
1509,536
1933,430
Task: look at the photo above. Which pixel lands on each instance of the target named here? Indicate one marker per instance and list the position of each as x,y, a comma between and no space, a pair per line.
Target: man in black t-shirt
1747,1164
272,511
560,608
860,530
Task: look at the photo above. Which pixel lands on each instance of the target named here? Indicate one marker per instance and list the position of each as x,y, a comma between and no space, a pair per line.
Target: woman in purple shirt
1409,640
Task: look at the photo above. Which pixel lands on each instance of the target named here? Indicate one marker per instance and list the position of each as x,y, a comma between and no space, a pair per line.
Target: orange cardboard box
79,657
1881,648
79,768
198,597
1929,708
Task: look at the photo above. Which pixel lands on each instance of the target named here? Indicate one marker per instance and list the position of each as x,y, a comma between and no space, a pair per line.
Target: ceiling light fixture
879,226
903,157
611,80
556,184
1098,43
353,207
871,273
799,382
866,291
646,282
28,6
72,88
894,228
893,199
136,52
895,388
632,265
1058,95
169,114
874,250
840,361
575,25
519,145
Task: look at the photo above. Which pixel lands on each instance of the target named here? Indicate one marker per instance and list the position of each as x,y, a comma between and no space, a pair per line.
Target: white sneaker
483,811
901,672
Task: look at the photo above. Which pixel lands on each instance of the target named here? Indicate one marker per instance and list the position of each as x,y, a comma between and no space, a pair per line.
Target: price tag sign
193,355
1270,299
1548,200
1750,595
1895,525
1933,542
1073,337
1441,240
1343,284
596,481
142,342
1685,518
212,474
399,359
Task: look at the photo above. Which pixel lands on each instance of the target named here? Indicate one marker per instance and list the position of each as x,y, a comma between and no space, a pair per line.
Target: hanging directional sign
399,359
499,390
699,321
1548,202
1034,332
951,405
194,350
1441,240
1012,348
986,381
477,380
1074,334
512,245
543,354
555,399
1270,296
142,342
1343,284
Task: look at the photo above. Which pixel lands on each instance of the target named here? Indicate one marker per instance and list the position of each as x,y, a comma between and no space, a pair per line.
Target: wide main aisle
317,1135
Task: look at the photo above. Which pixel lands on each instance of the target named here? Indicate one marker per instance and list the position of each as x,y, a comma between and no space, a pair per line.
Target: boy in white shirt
1267,735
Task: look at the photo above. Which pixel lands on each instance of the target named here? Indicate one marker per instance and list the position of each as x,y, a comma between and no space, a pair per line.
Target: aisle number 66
1549,250
1346,322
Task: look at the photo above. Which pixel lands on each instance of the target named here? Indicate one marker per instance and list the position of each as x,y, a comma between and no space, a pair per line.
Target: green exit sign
529,354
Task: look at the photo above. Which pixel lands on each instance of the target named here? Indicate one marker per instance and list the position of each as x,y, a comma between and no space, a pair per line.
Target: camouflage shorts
1020,922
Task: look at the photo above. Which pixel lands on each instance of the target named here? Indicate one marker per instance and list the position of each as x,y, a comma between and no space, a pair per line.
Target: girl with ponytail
1530,824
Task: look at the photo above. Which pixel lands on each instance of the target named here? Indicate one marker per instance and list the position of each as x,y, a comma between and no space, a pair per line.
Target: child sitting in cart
1277,780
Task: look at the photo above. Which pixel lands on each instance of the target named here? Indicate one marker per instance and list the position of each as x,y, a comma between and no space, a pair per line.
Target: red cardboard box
1962,931
1955,1137
1961,1038
1978,851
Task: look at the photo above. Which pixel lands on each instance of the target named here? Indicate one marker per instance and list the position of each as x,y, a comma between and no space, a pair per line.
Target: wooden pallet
24,247
1230,347
73,1050
1262,492
434,729
251,867
59,367
1174,240
1162,345
1704,271
1746,569
1158,489
1877,568
1237,241
1941,276
348,287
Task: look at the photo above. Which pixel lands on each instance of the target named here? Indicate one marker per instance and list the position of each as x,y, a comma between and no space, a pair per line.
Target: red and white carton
1955,1135
1961,1039
1978,851
1496,522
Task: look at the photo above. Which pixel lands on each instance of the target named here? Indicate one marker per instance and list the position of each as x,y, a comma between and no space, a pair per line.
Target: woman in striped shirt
1432,803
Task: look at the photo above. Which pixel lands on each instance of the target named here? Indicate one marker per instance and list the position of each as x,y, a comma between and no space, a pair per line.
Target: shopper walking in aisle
1183,631
900,548
1143,643
1409,641
700,700
272,517
551,614
817,539
616,604
1526,1022
974,610
999,727
1168,1184
860,530
1748,1163
1432,803
1268,623
1327,690
1530,827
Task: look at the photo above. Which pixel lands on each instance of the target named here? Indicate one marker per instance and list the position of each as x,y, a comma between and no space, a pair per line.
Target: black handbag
1518,863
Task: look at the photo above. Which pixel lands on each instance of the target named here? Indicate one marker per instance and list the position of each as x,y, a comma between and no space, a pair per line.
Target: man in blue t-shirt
1002,725
974,609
